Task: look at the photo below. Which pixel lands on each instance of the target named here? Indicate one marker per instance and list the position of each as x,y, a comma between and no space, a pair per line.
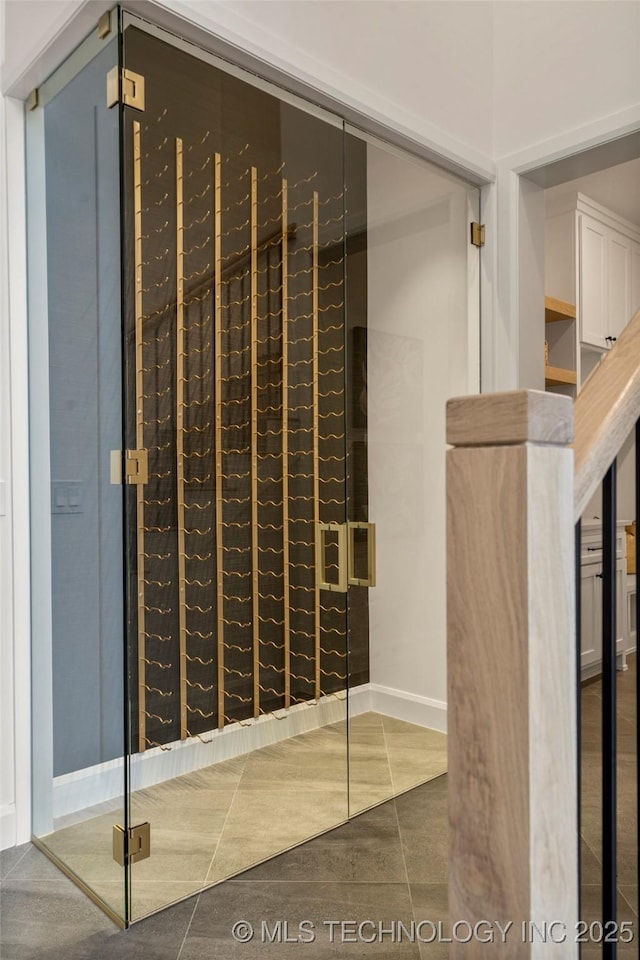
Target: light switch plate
66,496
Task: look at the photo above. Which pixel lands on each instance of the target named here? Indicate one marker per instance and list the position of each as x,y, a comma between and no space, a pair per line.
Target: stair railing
517,485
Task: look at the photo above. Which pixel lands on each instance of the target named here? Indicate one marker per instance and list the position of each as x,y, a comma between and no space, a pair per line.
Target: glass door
237,567
238,382
413,330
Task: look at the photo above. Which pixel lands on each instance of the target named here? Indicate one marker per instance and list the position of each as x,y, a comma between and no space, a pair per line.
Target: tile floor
389,863
386,864
219,821
592,803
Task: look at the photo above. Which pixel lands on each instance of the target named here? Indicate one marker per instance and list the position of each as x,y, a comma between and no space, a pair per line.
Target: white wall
416,63
7,778
7,745
617,188
531,287
28,27
561,66
15,796
418,347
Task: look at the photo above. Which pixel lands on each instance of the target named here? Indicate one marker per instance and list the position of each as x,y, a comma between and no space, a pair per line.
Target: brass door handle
370,579
321,554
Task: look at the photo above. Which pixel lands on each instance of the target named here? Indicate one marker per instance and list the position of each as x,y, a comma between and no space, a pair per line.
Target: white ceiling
617,188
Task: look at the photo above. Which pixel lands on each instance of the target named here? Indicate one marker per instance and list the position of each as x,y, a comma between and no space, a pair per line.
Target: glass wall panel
245,322
413,332
75,346
236,371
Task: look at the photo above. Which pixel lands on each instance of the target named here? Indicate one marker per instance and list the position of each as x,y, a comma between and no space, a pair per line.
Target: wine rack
240,403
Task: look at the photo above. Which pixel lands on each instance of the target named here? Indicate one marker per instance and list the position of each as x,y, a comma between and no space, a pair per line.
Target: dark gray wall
81,143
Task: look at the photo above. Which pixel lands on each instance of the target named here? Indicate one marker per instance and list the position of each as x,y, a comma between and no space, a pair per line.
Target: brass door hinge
477,234
104,25
132,89
134,847
136,466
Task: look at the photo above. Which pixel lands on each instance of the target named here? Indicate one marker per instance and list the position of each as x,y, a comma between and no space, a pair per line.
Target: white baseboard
423,711
86,788
360,700
7,826
81,789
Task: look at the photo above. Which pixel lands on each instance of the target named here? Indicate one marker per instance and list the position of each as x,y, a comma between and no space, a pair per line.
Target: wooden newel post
513,848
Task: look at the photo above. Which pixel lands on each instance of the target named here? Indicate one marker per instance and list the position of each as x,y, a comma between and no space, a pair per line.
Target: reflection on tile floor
214,823
389,863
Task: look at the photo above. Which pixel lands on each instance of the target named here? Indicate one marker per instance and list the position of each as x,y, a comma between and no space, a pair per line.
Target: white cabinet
605,282
619,283
593,310
590,616
592,259
632,612
591,598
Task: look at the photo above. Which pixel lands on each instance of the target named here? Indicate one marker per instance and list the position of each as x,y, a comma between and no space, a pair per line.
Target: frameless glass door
237,536
414,332
238,387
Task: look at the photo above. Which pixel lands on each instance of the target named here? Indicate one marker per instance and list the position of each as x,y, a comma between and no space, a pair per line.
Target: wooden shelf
558,376
555,310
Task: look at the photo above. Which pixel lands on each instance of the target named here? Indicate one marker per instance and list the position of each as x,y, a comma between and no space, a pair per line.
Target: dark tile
210,935
157,938
11,857
46,942
591,823
591,908
35,866
431,914
367,848
46,920
48,901
627,853
424,831
590,864
630,894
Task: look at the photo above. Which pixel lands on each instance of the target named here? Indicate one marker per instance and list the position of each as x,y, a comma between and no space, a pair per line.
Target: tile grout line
19,861
591,850
386,749
400,840
630,905
186,933
385,883
235,793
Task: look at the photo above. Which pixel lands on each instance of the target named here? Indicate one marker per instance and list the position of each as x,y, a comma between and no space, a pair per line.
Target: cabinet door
593,283
619,283
622,626
635,278
591,614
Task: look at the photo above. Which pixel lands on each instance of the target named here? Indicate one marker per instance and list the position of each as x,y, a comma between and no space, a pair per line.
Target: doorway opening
591,252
